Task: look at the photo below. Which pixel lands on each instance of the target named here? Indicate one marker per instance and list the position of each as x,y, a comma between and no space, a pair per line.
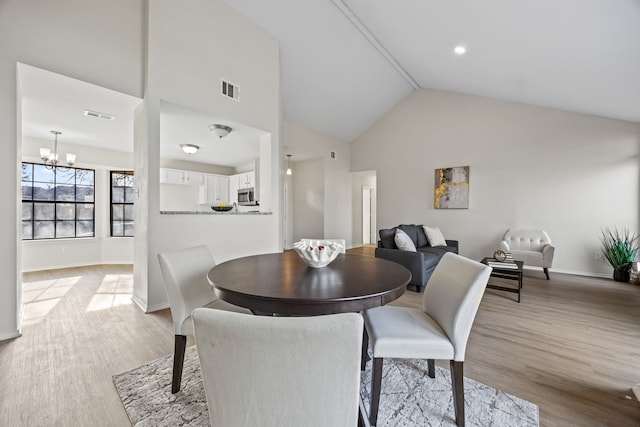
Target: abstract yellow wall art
452,188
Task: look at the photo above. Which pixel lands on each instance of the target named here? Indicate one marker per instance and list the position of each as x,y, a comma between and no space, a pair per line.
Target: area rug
409,397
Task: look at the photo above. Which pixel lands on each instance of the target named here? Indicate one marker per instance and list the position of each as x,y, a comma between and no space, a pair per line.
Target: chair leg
376,383
178,362
457,384
546,272
431,370
365,349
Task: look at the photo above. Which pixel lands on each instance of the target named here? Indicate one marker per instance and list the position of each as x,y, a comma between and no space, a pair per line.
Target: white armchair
531,246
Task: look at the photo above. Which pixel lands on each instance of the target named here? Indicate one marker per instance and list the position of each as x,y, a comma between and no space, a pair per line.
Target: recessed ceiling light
460,50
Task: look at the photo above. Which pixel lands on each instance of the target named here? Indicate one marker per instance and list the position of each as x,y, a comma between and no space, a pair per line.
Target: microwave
247,197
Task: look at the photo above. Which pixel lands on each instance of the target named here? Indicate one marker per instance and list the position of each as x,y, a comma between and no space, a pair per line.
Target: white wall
71,37
336,177
308,199
570,174
191,46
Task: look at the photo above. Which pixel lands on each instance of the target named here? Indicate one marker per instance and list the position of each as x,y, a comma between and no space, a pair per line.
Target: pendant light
289,172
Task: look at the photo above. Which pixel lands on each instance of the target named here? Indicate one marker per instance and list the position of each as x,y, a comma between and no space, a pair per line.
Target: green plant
620,248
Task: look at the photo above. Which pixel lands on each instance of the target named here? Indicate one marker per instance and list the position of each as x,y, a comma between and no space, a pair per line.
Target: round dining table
283,284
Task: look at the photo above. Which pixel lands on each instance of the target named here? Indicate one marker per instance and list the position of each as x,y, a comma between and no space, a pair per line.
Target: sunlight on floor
115,290
41,297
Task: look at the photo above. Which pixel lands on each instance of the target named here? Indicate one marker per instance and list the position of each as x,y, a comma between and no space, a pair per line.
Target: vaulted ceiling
347,62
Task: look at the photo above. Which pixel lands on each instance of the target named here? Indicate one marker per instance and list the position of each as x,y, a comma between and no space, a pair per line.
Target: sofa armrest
504,246
413,261
547,255
453,244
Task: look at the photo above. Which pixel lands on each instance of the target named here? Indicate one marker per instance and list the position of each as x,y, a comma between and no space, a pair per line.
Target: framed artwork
452,188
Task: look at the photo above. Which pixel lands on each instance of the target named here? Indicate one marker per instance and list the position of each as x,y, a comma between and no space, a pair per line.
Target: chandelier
50,159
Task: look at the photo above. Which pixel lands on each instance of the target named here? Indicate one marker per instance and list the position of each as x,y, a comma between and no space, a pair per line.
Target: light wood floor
572,346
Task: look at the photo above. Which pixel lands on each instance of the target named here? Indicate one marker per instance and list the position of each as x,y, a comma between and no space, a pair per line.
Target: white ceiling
52,101
182,125
55,102
574,55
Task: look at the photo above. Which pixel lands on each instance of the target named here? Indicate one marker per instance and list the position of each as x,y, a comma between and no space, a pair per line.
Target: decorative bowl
500,255
222,208
317,253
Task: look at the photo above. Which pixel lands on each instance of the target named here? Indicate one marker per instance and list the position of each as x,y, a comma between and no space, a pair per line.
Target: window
57,204
122,203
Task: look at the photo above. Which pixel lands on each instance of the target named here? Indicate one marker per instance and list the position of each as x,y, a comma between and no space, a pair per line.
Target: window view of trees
122,196
58,203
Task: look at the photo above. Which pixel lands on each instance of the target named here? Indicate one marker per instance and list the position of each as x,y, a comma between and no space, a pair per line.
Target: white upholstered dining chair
439,330
280,371
184,273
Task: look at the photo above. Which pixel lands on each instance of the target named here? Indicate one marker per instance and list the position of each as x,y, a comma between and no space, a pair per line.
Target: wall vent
97,115
332,154
230,90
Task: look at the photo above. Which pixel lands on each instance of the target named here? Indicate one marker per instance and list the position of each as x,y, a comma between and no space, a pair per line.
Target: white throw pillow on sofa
403,241
434,236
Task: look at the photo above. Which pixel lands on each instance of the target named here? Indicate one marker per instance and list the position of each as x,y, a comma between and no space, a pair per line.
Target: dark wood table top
282,283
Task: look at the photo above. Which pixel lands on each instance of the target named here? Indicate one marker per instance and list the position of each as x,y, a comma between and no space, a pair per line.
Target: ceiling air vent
230,90
98,115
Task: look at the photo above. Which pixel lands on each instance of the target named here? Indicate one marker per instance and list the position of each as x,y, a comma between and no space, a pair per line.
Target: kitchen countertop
212,212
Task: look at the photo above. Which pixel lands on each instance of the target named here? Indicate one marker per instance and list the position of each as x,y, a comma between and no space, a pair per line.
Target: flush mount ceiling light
289,172
220,130
460,50
50,159
189,148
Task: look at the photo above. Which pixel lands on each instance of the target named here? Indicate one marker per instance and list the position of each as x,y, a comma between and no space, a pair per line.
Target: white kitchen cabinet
216,189
247,179
174,176
234,184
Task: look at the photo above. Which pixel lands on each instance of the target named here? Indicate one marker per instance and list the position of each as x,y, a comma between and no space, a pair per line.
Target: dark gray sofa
420,263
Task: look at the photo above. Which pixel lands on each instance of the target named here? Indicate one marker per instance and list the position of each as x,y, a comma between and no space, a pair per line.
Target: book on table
503,264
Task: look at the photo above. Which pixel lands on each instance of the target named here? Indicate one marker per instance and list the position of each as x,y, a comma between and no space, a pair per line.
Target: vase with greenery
620,249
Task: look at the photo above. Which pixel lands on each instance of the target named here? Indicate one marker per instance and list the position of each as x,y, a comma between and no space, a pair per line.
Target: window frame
111,203
54,203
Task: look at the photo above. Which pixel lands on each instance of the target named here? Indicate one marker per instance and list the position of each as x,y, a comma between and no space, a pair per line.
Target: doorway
368,211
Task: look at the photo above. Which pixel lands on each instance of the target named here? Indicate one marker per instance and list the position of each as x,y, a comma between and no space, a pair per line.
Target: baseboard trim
16,334
141,304
572,272
157,307
148,308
